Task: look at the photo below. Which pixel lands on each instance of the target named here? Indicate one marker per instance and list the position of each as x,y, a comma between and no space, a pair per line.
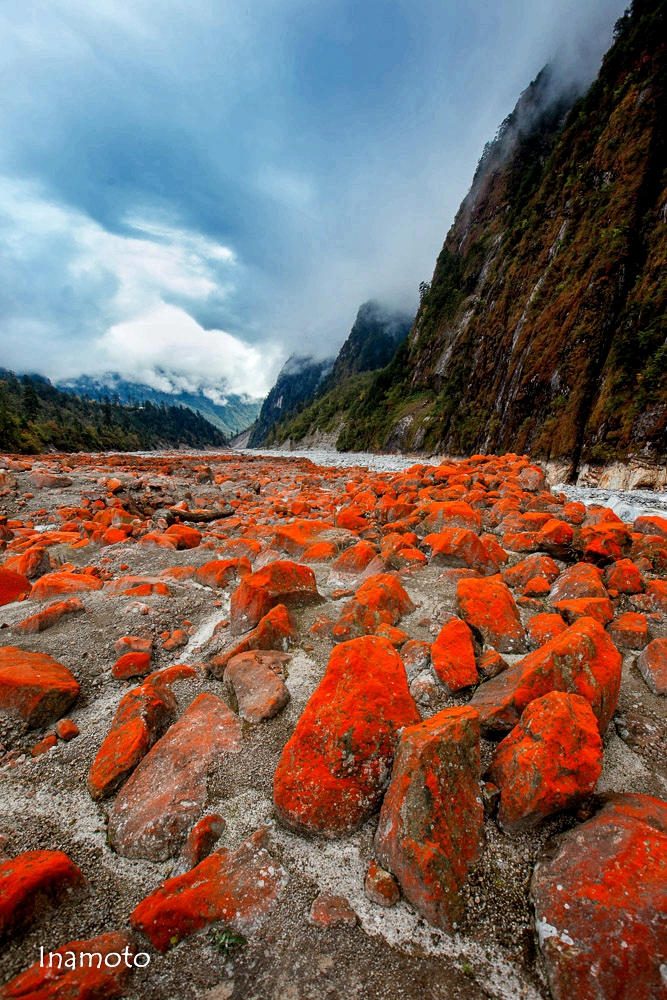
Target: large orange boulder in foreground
27,878
600,904
77,977
432,820
333,769
34,686
489,608
453,656
550,761
381,600
12,585
281,582
165,795
582,660
237,887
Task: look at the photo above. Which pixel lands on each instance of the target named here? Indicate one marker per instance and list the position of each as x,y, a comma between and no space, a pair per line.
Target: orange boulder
27,879
74,972
381,600
12,585
489,608
331,775
459,547
281,582
453,656
550,761
431,824
34,686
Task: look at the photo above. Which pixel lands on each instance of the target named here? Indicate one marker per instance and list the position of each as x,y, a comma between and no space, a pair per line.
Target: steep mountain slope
544,328
370,345
296,384
231,414
35,416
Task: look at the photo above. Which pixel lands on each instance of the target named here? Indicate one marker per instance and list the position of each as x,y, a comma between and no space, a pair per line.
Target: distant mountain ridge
371,344
232,416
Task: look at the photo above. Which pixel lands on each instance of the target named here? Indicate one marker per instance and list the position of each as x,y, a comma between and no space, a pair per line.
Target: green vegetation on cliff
544,327
36,417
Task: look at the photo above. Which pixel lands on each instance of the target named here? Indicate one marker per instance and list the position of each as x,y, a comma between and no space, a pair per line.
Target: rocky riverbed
330,726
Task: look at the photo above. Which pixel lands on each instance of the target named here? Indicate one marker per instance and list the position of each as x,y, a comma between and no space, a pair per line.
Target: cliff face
295,399
544,328
297,383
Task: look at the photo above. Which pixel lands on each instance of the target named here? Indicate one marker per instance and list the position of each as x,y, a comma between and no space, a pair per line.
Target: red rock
142,715
54,584
556,538
651,524
34,686
583,660
580,580
49,480
201,841
522,541
381,600
600,904
604,543
431,823
275,631
381,887
241,548
27,879
538,587
32,563
184,536
543,628
133,644
459,547
494,548
66,729
332,772
329,910
453,514
656,596
489,608
652,665
320,552
159,802
491,664
416,655
131,665
599,608
624,577
550,761
78,977
453,656
44,745
354,560
220,572
395,635
12,585
238,887
49,617
177,640
296,537
629,631
280,582
351,518
259,691
650,553
114,536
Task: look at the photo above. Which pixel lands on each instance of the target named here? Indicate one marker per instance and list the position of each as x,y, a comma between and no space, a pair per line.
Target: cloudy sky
189,192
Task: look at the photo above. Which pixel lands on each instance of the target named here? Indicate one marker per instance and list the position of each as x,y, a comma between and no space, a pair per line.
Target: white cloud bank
125,299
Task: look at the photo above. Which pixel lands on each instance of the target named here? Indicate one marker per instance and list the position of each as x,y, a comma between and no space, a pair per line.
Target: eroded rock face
238,887
550,761
600,904
335,767
166,793
582,660
34,686
431,823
